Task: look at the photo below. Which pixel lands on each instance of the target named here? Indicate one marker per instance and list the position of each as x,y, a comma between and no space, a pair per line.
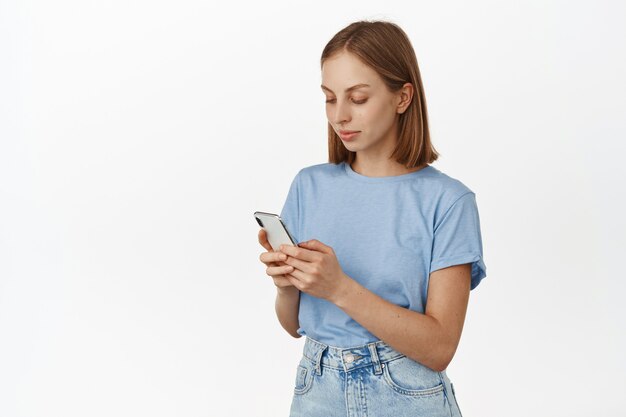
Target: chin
350,145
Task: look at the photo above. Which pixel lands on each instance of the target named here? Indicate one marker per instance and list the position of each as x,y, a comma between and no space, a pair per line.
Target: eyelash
354,101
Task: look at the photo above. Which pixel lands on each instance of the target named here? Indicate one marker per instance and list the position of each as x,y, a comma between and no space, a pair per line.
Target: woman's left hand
316,269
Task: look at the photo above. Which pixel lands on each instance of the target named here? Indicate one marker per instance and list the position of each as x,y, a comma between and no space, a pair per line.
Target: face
358,100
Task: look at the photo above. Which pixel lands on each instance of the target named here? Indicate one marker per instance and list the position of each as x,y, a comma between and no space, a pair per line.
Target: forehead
344,70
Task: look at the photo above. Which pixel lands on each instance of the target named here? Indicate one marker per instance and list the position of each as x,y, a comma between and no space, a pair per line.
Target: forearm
287,308
417,335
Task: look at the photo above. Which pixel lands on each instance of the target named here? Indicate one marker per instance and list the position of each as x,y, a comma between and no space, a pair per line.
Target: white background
138,137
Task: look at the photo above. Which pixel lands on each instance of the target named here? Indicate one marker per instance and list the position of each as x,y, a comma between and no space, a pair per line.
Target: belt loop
318,359
377,368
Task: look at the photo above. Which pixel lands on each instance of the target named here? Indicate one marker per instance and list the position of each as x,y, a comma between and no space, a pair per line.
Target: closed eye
354,101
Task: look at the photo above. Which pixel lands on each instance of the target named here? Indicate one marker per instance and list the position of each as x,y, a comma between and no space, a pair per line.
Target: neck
380,166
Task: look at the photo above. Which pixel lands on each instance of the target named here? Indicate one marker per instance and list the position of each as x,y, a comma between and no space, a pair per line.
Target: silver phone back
277,233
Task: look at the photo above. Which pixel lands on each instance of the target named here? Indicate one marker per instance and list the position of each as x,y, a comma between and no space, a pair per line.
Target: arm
287,308
430,338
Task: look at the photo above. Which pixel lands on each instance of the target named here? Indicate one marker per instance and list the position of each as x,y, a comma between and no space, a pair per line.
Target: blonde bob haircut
386,48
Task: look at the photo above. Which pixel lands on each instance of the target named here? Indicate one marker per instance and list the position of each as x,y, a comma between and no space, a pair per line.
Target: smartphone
277,233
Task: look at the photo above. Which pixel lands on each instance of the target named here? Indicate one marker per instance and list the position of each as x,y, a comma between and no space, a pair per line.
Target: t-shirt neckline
392,178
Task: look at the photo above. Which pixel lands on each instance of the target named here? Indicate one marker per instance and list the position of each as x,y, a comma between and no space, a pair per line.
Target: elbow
440,366
442,362
439,362
295,335
292,330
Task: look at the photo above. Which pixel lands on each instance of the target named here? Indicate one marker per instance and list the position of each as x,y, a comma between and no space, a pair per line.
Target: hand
317,271
273,260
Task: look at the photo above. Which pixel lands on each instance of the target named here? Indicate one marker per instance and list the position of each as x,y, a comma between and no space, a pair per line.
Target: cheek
385,116
376,117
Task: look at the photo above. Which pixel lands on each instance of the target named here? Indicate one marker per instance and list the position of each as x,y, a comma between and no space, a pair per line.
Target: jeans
371,380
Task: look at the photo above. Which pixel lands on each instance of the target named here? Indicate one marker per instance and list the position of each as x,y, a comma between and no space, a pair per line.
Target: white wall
138,137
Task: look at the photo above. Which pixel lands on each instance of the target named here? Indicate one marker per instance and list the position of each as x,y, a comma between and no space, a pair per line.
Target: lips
348,135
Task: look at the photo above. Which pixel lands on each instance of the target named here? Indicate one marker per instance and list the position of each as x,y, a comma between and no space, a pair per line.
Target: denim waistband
374,353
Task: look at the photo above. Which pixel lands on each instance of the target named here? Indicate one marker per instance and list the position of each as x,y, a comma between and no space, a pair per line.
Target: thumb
315,244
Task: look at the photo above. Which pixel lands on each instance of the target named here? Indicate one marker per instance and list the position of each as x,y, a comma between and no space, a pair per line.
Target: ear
405,96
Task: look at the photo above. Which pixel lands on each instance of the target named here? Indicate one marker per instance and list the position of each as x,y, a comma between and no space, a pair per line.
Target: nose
342,113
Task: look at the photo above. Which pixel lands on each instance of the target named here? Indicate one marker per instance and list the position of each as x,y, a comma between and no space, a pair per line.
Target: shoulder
319,172
445,190
446,184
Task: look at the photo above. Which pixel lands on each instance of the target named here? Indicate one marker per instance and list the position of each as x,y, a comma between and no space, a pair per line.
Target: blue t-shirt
389,234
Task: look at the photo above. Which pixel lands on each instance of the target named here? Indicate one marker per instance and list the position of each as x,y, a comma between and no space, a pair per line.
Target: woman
390,246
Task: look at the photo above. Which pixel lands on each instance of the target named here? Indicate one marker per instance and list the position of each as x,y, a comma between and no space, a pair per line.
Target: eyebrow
347,90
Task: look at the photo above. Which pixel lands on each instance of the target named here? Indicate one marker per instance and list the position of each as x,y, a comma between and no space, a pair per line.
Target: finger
294,281
301,265
279,270
267,257
263,240
299,275
282,282
299,252
316,245
280,263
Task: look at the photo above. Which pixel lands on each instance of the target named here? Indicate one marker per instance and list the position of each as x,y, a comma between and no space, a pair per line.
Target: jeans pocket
408,377
304,377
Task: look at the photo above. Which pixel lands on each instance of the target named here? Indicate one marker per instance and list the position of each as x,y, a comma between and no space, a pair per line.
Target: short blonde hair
385,47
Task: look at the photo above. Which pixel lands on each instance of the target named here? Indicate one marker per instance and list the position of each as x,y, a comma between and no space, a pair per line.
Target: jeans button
349,358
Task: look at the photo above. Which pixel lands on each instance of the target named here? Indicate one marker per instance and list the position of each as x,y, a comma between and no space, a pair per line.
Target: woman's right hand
273,260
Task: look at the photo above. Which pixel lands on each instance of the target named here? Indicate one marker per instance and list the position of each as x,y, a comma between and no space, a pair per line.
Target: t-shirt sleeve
457,239
290,214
